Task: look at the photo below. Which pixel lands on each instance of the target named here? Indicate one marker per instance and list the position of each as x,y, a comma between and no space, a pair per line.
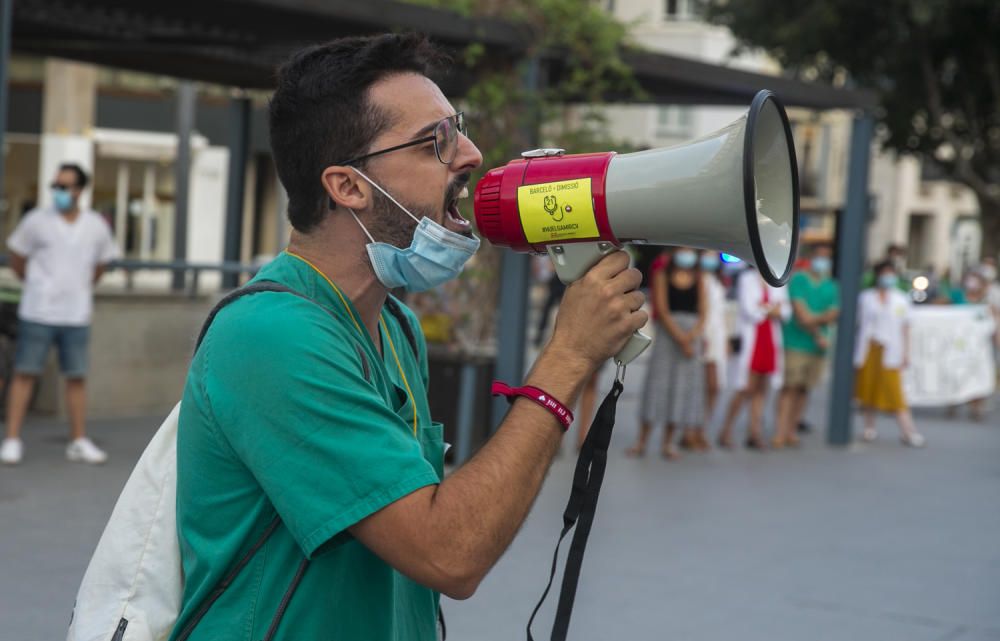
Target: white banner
951,355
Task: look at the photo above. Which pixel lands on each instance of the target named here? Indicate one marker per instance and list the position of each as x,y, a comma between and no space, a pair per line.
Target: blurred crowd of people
716,324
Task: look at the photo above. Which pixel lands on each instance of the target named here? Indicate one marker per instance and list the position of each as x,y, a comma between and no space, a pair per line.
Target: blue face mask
710,262
887,281
435,256
62,199
822,265
685,259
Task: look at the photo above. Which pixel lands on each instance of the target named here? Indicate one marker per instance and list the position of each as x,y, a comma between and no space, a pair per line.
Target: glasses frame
459,119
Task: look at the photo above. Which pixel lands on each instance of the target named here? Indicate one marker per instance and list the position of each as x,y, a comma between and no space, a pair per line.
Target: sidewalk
875,542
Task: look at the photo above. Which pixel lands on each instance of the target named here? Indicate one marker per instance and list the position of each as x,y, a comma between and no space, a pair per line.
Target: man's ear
345,188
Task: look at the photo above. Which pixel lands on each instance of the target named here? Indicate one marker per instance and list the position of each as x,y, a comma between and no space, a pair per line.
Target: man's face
65,180
414,175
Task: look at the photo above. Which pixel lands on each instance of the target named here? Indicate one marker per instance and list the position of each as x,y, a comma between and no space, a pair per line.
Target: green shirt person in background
312,408
815,300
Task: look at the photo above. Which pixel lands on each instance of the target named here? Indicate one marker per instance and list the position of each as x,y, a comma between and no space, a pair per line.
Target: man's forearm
479,509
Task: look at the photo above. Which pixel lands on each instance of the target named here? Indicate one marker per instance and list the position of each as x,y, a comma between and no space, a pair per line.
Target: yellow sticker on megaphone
555,211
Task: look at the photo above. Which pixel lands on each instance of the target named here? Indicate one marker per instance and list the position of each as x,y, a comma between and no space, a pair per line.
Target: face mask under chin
434,256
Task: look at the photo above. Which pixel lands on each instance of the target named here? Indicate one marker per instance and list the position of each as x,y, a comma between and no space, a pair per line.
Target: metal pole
239,144
121,204
148,206
512,324
6,18
850,260
186,102
466,413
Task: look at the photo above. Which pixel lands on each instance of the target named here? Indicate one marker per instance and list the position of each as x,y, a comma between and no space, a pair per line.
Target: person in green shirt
815,306
310,411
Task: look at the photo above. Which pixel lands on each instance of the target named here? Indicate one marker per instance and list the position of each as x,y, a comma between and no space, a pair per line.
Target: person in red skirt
762,309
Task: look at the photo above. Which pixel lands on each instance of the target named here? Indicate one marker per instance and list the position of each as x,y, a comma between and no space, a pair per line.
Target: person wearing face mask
673,392
716,334
815,307
759,367
308,412
59,252
881,352
988,270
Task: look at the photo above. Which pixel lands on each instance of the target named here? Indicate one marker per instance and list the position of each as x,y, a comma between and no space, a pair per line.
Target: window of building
673,121
678,9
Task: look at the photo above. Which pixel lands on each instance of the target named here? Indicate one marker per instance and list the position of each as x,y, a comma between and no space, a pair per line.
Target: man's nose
468,156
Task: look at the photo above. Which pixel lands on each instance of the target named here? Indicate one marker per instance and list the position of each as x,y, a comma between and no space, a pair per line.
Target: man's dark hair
81,176
894,249
884,265
823,244
321,115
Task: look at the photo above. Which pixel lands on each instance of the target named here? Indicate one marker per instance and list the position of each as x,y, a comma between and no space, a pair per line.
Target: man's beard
390,224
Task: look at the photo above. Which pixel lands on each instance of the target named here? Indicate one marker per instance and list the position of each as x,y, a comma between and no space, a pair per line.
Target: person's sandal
914,440
636,451
868,435
669,452
755,443
724,443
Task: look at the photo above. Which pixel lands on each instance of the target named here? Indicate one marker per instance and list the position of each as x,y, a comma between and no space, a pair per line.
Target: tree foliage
935,65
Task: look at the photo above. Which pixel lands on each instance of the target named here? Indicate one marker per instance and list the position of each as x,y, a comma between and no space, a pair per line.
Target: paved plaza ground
869,543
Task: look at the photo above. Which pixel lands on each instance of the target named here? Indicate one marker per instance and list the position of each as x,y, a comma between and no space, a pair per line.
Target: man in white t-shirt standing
59,252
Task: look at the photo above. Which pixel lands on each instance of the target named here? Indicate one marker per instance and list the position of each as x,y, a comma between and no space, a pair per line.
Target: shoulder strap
397,312
236,294
255,288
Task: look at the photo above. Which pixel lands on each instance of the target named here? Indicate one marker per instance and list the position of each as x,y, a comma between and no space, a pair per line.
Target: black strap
229,578
393,306
272,286
580,511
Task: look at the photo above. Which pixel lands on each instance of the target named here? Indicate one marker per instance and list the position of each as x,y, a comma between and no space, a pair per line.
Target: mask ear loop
363,228
386,194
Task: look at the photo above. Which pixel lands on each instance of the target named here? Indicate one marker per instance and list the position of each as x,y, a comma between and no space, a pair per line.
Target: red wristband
540,396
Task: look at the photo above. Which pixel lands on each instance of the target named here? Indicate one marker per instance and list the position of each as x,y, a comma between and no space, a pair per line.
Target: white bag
132,588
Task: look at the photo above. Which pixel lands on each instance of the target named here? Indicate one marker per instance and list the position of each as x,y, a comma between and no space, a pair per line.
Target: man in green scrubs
313,408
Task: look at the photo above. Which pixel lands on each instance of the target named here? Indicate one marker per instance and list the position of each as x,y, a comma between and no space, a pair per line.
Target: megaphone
735,190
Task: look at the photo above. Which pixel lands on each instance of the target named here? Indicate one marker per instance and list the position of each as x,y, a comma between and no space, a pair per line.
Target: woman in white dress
762,309
715,337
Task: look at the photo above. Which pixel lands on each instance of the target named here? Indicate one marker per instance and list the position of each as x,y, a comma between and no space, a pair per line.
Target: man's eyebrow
427,129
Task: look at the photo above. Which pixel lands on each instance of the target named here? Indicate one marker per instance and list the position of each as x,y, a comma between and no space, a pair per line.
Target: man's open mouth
453,215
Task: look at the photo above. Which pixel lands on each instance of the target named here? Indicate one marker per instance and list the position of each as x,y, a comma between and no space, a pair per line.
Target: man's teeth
464,193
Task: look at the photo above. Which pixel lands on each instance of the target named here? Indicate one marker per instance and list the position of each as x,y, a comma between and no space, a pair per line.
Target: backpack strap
397,312
255,288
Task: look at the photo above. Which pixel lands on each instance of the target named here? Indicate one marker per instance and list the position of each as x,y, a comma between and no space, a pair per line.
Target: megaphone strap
580,510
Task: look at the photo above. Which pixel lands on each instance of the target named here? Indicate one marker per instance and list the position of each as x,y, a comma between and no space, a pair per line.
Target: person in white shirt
761,358
59,252
881,353
716,334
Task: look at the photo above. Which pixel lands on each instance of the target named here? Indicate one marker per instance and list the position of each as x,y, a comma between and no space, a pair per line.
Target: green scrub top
279,416
819,295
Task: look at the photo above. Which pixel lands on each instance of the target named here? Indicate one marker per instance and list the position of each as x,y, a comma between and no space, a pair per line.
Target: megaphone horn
735,191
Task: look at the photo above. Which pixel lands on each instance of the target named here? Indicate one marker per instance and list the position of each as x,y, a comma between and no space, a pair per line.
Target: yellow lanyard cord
402,374
357,325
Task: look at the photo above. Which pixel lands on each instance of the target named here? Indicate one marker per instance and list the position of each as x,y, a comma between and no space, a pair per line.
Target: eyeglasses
445,137
62,187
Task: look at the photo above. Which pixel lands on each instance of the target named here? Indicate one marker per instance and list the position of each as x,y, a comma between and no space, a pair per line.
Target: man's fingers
634,300
611,265
627,280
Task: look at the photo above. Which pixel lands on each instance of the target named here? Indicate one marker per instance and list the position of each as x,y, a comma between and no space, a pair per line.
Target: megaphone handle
637,344
572,261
